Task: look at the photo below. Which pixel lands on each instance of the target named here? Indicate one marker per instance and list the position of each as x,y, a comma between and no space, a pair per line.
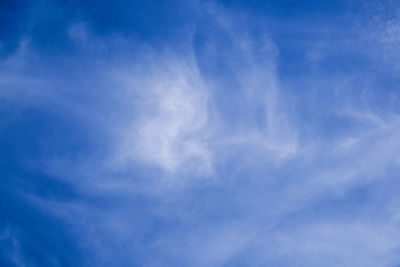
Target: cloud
171,129
330,243
300,167
178,116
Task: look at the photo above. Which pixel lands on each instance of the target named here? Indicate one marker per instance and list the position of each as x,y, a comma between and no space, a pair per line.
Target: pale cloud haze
220,133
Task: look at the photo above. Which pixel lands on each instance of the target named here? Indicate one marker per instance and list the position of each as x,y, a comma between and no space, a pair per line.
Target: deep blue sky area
199,133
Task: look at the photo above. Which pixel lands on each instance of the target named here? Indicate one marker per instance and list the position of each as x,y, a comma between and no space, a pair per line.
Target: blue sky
199,133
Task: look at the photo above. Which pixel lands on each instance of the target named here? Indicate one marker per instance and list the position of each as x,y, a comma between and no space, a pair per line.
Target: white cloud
336,244
171,128
176,121
166,114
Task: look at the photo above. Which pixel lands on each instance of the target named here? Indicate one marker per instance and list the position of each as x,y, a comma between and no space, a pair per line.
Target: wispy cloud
206,150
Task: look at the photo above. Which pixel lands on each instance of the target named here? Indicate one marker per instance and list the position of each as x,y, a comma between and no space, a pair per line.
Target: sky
200,133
